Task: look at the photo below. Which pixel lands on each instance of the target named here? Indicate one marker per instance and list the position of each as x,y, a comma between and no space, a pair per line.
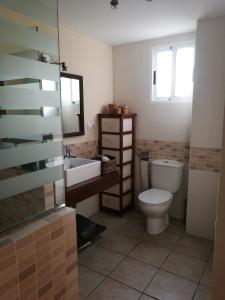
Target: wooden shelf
119,127
91,187
118,149
116,133
119,116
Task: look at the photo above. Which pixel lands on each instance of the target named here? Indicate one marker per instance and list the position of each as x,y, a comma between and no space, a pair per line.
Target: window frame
174,47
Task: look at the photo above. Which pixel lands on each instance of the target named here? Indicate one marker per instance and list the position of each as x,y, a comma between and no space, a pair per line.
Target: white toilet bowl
154,204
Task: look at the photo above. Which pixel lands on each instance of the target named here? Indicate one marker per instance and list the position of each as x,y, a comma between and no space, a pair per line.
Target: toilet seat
155,197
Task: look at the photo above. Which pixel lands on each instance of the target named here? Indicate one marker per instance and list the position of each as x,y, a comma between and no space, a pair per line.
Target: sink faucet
66,151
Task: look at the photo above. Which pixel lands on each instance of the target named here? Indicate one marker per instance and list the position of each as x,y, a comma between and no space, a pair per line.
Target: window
172,68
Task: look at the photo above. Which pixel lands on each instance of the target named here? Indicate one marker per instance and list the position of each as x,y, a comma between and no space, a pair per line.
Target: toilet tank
166,174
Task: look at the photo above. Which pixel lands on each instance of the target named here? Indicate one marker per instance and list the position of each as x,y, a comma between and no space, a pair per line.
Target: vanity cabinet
117,138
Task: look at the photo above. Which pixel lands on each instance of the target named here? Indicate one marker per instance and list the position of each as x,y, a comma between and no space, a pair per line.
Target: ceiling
136,20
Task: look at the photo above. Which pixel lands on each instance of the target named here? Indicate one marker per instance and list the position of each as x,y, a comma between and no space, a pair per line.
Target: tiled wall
200,158
165,149
25,205
205,159
85,149
39,260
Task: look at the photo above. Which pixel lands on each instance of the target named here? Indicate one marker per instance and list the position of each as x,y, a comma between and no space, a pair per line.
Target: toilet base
157,225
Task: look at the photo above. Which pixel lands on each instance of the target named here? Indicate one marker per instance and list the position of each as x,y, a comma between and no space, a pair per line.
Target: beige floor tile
203,293
119,243
112,290
105,234
135,215
167,286
135,229
149,253
188,267
176,226
207,275
194,246
165,239
112,222
85,250
101,260
133,273
88,281
145,297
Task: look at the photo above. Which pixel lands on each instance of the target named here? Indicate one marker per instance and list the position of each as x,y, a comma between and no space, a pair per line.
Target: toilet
166,178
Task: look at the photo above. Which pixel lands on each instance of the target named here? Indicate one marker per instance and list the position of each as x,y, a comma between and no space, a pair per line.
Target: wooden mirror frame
81,119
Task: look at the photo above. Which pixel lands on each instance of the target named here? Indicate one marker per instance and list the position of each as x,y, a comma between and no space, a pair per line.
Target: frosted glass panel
164,74
31,160
184,72
12,97
13,67
14,126
26,38
23,183
26,153
40,10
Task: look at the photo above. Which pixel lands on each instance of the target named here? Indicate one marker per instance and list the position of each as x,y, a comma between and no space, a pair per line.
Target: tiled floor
126,263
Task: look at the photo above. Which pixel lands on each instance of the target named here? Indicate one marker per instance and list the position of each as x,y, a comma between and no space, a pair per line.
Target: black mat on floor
87,231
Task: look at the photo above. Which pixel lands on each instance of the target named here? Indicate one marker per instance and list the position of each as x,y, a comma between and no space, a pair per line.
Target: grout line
172,249
160,269
108,275
203,271
144,294
195,292
100,282
190,256
179,276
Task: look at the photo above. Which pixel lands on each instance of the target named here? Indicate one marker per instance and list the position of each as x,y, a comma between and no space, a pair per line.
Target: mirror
72,104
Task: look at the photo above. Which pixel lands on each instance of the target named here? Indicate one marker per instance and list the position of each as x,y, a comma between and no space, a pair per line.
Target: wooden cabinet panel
117,138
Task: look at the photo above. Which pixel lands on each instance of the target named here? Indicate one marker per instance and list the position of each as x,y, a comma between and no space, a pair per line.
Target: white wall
155,121
207,122
93,60
132,86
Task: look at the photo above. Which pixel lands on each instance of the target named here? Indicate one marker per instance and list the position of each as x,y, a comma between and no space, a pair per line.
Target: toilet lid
155,197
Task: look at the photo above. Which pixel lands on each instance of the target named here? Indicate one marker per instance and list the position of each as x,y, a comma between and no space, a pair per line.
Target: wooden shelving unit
117,138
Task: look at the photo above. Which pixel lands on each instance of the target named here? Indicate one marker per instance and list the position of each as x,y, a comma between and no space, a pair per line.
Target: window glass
173,72
184,72
163,73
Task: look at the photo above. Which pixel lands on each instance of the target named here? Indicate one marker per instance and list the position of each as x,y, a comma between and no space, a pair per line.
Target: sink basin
80,169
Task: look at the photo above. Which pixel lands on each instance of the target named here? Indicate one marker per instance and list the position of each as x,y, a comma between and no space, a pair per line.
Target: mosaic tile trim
85,150
205,159
164,149
199,158
39,260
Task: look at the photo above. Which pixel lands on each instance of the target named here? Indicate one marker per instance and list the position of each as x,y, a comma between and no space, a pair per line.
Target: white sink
80,169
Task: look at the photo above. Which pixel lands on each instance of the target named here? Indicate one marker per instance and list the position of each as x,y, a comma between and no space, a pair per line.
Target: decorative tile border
39,260
85,149
205,159
164,149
